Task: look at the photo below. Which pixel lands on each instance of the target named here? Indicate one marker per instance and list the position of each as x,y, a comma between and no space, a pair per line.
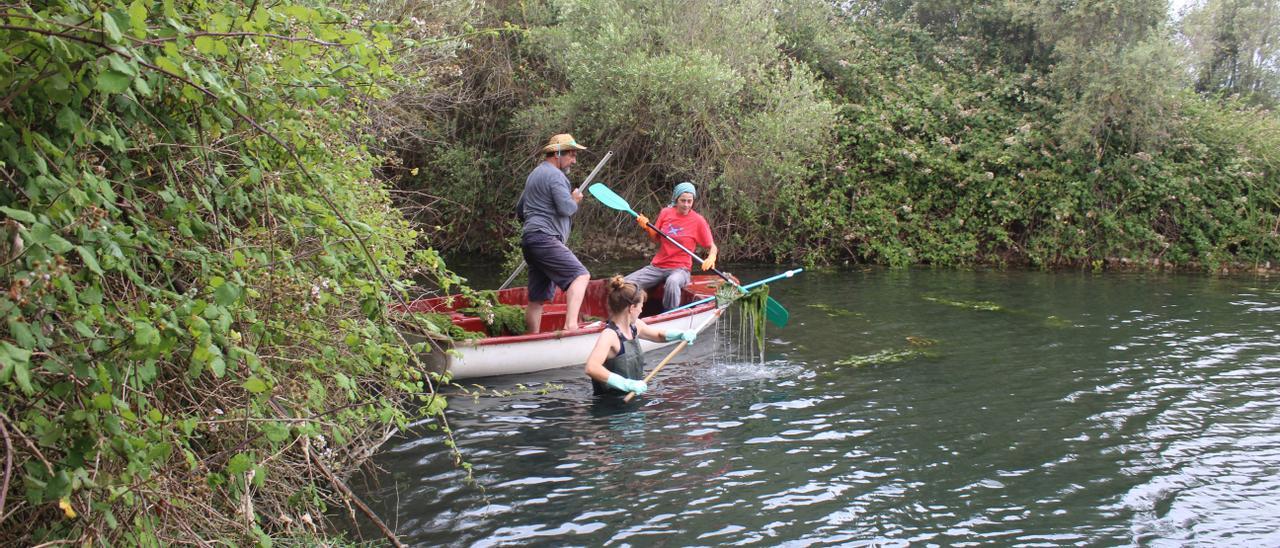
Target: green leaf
142,86
436,405
147,372
218,366
138,18
113,81
255,385
145,334
219,22
103,401
238,464
90,261
46,145
119,64
201,353
22,333
275,432
160,452
301,13
91,295
69,120
13,353
204,44
169,66
227,294
19,215
16,363
111,27
44,234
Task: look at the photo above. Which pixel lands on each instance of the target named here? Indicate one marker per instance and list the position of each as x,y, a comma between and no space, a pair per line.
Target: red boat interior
553,313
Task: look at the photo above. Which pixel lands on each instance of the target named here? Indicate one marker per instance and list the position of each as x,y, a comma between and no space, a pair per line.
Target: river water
911,407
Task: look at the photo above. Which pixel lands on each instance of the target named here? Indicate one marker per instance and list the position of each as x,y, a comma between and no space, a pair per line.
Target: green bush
944,133
197,263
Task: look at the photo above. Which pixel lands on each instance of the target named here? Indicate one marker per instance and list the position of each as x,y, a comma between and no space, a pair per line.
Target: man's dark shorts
550,262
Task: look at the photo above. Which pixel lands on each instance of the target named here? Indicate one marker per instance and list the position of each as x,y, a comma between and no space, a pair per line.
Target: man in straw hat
545,208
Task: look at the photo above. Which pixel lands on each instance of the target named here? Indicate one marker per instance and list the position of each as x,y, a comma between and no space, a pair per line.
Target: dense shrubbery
957,160
197,263
199,249
946,133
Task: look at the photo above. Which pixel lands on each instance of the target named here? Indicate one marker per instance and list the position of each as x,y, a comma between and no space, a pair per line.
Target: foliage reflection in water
1112,409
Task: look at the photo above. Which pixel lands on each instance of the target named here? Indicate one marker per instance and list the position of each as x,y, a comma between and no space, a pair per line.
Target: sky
1176,7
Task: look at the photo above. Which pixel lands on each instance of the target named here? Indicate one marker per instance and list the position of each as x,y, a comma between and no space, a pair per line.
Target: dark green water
1087,409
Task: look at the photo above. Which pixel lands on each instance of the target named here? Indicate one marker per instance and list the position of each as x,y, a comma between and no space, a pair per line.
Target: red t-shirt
690,230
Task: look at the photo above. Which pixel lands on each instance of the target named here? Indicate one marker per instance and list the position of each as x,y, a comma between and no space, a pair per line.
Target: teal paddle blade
776,313
610,198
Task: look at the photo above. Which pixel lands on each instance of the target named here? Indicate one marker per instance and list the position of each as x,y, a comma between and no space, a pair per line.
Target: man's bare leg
573,297
533,317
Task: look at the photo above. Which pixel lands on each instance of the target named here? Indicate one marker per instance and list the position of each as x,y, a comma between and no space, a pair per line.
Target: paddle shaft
591,176
678,348
691,254
775,312
751,285
673,353
581,187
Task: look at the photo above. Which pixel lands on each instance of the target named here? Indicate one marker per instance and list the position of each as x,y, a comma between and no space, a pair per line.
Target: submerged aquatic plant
1055,321
884,357
833,311
921,341
972,305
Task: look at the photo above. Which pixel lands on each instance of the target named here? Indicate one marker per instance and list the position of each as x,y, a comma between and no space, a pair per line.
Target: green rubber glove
687,336
626,385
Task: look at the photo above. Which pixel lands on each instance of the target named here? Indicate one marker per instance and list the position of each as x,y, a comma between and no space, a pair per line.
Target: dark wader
629,363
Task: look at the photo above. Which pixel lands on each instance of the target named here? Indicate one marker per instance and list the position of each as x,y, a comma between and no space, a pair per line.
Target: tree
1234,48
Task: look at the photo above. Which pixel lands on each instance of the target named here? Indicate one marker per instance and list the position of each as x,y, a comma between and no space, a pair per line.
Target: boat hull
563,349
554,348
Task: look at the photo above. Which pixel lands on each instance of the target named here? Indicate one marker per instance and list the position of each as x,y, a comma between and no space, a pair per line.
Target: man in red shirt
671,265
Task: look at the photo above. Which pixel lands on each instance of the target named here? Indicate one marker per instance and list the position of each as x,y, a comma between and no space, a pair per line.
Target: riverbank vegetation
198,264
1010,133
210,209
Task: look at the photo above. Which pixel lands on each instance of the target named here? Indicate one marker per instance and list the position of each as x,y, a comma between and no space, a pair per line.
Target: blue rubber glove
626,385
687,336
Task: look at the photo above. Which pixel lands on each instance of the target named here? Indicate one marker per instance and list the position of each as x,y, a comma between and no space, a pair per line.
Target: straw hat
562,142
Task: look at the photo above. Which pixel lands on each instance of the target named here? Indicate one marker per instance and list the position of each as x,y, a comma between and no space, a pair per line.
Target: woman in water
616,364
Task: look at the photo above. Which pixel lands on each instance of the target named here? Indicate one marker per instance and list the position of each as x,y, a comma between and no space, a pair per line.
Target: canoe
553,347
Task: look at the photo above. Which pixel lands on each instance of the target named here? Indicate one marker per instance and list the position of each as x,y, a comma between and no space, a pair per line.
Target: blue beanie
681,189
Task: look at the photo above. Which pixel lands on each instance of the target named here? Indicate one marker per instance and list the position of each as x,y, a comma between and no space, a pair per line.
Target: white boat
553,347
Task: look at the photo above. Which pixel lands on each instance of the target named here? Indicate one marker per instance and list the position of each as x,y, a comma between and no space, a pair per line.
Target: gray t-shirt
547,202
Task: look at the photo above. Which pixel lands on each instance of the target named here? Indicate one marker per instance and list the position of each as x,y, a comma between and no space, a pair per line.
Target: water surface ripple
1112,410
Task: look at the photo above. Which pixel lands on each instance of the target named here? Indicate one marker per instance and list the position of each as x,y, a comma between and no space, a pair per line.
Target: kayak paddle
774,311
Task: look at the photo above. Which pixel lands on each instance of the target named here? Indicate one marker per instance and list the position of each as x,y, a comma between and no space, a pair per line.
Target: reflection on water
1067,409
